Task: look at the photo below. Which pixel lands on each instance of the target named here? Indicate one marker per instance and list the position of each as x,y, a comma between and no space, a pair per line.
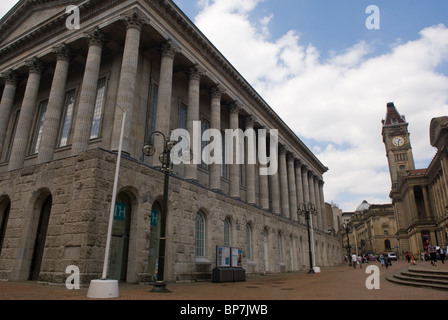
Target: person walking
382,260
442,255
433,254
354,260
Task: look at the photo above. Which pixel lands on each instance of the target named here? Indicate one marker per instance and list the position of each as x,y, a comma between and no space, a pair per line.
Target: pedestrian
442,255
412,260
382,260
433,254
408,258
360,261
354,260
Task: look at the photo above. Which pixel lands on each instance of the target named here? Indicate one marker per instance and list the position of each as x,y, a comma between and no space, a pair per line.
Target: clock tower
397,141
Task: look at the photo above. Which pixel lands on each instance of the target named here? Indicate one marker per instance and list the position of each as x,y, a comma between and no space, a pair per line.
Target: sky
329,68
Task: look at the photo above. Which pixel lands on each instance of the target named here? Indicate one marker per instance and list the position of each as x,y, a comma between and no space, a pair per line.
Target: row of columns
83,124
292,184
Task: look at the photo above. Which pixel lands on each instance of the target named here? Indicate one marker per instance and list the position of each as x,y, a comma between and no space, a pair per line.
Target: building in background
419,196
63,97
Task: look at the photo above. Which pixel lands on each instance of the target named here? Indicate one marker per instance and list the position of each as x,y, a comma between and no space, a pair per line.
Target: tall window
67,119
98,111
248,242
205,125
224,168
13,134
280,248
200,235
39,126
227,234
155,98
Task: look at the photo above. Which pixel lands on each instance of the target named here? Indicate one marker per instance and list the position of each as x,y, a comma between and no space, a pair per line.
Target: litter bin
222,275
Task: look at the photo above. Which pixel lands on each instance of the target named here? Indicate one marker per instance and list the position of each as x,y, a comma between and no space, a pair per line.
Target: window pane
68,116
226,233
204,127
98,111
39,126
248,242
200,235
155,98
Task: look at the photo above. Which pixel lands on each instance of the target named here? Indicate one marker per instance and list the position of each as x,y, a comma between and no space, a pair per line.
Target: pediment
28,15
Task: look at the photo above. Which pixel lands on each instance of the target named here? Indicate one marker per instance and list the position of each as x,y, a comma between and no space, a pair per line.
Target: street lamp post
307,210
165,160
346,227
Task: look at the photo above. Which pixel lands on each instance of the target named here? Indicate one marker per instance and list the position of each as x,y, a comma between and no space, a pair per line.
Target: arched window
4,214
280,248
200,235
387,245
248,242
227,233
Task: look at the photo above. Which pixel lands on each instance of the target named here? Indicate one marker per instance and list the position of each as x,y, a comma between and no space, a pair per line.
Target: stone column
250,167
21,139
215,169
322,201
284,192
318,203
306,190
292,187
234,168
55,106
194,77
87,96
168,51
9,92
299,186
128,79
275,190
312,195
264,179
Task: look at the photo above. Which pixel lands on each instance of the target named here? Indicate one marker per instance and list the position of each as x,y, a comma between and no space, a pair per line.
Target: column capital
195,72
10,77
169,49
298,163
290,157
95,37
235,107
282,150
63,52
35,65
249,121
135,20
217,91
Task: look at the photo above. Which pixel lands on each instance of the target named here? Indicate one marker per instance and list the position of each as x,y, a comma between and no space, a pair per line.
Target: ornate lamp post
307,210
165,160
347,227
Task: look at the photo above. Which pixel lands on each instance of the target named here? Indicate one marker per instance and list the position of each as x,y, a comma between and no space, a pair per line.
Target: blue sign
120,210
154,214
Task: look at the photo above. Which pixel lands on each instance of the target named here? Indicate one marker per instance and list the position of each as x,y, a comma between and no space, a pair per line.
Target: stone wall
81,191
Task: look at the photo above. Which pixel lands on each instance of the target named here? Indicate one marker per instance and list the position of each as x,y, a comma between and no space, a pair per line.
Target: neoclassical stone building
419,196
63,97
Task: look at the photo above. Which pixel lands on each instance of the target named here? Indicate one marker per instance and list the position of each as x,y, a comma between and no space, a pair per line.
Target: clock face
398,141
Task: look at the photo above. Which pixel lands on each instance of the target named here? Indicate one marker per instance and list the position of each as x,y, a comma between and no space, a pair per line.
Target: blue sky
329,77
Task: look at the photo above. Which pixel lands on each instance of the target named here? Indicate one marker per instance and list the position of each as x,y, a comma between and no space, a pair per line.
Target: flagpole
104,288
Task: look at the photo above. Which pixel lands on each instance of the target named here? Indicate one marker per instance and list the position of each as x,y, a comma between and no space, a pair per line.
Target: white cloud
339,102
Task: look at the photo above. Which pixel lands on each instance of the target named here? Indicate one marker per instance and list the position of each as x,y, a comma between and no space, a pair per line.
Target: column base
103,289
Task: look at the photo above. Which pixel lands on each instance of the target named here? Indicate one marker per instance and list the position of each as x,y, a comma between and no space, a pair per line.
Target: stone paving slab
332,283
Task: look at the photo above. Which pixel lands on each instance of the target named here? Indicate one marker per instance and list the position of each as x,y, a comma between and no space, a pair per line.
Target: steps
420,277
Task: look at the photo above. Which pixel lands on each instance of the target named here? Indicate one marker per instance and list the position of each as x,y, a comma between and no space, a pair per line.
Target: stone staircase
420,277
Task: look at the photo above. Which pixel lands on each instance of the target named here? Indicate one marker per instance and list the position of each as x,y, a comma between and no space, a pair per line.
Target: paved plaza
332,283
